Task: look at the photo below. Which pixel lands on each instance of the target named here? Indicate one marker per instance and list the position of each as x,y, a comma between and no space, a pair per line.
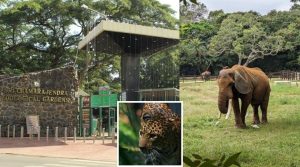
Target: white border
181,102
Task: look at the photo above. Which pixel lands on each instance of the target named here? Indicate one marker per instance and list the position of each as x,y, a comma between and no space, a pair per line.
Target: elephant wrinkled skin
251,85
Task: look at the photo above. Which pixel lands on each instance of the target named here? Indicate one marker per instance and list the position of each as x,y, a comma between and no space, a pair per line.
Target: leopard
160,135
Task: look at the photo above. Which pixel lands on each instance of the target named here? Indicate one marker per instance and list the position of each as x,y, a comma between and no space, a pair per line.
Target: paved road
9,160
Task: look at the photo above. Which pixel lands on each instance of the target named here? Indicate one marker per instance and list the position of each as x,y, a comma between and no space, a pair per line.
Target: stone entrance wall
49,94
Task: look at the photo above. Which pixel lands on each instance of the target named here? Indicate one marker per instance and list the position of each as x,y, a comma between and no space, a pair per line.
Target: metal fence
290,75
285,75
195,78
53,133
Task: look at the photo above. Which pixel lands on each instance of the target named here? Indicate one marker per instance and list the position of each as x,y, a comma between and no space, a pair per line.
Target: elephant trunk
223,103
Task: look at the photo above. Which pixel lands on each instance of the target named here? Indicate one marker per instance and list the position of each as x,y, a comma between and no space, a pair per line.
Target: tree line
212,40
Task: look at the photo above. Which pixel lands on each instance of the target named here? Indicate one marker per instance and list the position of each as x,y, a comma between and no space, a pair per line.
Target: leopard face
160,135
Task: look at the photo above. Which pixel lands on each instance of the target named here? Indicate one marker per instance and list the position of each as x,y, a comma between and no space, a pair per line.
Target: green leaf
196,163
232,160
188,161
197,156
194,1
209,160
221,160
207,164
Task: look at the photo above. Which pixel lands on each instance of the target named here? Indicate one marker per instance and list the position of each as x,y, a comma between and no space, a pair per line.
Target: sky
261,6
174,4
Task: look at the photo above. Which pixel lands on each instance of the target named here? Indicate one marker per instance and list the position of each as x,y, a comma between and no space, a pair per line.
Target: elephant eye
146,117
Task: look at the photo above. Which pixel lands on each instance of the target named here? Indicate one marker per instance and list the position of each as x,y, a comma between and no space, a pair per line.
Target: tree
216,17
143,12
192,12
270,41
295,1
186,1
243,35
39,29
291,37
195,38
40,34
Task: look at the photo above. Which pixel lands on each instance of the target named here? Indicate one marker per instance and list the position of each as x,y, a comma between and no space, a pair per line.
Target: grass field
276,144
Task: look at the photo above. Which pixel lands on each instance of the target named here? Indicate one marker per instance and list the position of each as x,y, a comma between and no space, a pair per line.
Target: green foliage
217,17
205,162
291,35
241,38
128,136
243,35
43,34
203,30
185,1
37,34
144,12
192,12
194,44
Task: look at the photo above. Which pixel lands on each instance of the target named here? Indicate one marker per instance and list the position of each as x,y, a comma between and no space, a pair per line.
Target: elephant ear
242,82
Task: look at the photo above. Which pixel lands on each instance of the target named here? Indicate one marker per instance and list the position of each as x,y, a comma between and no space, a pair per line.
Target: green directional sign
104,99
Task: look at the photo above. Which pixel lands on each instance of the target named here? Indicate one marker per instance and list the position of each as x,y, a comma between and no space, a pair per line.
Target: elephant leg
237,113
255,115
245,105
264,108
264,113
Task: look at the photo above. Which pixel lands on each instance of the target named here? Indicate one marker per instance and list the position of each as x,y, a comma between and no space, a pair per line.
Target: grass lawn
276,144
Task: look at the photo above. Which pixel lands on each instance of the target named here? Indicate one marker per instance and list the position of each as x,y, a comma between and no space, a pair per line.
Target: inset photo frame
150,133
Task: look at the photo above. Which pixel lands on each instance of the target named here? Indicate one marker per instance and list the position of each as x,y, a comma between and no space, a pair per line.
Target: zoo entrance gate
98,111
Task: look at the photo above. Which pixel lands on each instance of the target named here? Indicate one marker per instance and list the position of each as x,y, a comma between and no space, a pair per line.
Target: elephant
251,85
205,75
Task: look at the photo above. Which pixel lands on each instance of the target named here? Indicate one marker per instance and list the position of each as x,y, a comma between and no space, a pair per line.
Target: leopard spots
160,134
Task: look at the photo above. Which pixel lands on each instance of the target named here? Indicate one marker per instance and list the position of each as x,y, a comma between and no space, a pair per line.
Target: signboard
103,88
32,124
18,94
104,100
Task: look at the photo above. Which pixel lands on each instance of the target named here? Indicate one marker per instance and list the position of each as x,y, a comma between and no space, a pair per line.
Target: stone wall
49,94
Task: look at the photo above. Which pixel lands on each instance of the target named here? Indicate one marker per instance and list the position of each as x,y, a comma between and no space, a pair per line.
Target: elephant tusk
229,109
220,115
